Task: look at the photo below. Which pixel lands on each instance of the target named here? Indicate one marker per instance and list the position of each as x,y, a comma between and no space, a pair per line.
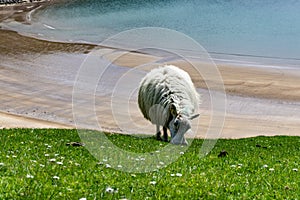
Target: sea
256,32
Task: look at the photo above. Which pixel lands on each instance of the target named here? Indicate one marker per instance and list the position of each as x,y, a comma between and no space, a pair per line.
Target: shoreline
38,98
9,120
20,12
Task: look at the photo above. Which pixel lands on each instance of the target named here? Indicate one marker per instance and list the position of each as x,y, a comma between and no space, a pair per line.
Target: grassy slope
239,175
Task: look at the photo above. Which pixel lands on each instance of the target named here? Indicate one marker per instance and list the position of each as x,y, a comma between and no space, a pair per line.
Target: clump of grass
37,164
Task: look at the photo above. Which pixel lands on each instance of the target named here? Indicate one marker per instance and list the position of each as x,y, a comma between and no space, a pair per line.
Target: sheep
167,97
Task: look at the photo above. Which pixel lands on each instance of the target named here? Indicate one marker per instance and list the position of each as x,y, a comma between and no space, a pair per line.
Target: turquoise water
268,28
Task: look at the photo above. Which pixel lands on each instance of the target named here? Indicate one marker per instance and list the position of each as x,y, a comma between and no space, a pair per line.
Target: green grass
27,173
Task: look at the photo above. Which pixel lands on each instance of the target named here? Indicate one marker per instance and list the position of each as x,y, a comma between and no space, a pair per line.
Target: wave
256,56
49,27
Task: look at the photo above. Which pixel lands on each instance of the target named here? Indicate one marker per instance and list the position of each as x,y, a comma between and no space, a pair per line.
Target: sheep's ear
194,116
173,110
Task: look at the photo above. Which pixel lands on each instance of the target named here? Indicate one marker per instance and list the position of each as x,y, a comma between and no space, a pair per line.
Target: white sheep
167,97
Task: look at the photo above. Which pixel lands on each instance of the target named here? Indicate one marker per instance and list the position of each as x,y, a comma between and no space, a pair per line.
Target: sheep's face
178,126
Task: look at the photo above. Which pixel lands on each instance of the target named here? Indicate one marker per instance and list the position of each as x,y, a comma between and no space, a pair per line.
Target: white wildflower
41,165
178,174
152,182
1,164
109,190
14,156
46,155
161,163
181,153
34,161
29,176
119,166
82,198
77,164
59,163
52,160
233,166
56,154
265,166
172,174
271,169
142,159
295,169
56,177
108,166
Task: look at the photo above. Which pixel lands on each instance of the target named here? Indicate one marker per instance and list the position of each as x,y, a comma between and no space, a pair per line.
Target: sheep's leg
165,137
158,133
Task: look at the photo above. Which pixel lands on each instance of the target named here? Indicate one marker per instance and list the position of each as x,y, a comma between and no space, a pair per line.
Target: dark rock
75,144
223,153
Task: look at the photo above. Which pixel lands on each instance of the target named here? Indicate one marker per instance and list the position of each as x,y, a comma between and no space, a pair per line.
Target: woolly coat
163,87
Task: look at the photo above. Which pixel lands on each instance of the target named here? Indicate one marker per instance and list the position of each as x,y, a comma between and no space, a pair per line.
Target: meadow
40,164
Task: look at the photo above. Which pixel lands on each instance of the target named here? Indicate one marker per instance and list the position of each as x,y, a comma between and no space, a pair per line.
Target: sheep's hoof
159,138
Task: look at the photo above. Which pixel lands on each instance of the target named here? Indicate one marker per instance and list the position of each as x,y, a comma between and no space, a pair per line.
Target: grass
255,168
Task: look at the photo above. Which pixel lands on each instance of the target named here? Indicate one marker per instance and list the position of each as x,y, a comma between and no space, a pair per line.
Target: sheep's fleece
167,97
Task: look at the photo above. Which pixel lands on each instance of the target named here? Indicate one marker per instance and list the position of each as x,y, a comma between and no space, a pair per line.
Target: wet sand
260,82
37,79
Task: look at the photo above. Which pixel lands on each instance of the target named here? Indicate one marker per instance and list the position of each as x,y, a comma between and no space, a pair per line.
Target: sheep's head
179,125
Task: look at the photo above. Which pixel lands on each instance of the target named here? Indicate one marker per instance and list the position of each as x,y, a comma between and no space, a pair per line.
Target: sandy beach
37,79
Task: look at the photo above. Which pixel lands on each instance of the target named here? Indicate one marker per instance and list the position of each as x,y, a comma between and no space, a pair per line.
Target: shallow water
256,32
258,28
